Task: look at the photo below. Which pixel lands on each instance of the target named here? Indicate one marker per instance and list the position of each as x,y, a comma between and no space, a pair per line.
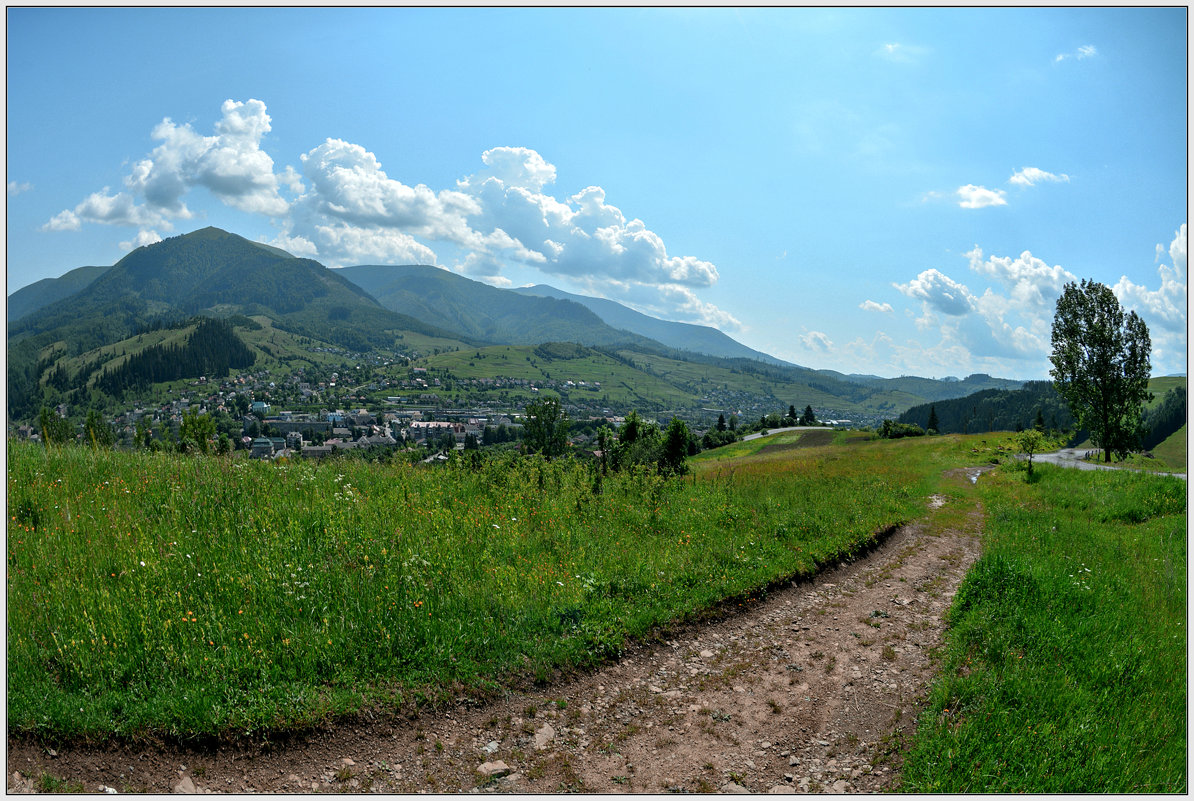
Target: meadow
158,594
1065,668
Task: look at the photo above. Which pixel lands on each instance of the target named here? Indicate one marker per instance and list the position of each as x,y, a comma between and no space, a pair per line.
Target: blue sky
888,191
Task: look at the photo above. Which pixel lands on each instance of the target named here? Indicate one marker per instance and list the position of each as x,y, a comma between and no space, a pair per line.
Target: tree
97,432
196,431
1101,365
808,418
933,424
55,429
1031,441
721,422
675,449
546,428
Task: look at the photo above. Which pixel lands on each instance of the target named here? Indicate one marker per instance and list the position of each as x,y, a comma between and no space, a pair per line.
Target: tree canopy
1101,365
546,428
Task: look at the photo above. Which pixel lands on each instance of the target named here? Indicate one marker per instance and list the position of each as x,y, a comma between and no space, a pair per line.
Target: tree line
212,349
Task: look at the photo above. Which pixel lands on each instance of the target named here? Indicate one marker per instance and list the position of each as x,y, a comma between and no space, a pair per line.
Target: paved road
1075,457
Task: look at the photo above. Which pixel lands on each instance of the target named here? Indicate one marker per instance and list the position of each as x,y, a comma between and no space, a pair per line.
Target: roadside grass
156,594
1065,665
1173,451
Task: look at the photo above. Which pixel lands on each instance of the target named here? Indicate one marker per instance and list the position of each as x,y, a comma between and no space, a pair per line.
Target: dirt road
815,687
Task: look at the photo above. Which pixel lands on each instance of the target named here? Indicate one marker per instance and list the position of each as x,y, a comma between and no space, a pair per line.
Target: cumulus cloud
15,188
230,164
870,305
940,292
1166,305
344,208
1083,52
978,197
1030,281
65,220
815,340
1030,176
141,239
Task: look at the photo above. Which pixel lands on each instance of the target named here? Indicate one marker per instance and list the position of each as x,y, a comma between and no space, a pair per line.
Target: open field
1064,670
160,594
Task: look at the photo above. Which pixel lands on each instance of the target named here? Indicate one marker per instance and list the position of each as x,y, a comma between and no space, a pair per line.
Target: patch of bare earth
814,688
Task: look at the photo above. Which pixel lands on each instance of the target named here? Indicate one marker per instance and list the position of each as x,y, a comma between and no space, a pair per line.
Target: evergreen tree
933,419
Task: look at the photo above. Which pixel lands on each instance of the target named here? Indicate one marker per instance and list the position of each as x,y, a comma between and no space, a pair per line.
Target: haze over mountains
90,315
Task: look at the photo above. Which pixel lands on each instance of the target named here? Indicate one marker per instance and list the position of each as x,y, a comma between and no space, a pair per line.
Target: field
1066,665
154,594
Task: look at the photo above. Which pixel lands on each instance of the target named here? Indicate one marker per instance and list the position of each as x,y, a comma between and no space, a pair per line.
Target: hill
995,410
680,336
481,312
39,294
208,272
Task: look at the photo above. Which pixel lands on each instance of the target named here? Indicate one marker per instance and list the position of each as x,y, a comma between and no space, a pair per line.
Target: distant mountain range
681,336
70,327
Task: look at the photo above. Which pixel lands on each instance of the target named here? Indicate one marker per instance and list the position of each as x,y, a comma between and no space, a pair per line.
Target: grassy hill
39,294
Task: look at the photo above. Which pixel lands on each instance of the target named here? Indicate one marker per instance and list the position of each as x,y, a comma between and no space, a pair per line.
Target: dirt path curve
814,688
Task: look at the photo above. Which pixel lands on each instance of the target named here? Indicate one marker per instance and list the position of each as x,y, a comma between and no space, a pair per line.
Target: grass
153,594
1065,669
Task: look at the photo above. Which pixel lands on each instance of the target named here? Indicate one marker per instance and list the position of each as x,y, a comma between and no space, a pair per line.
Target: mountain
39,294
479,311
680,336
206,272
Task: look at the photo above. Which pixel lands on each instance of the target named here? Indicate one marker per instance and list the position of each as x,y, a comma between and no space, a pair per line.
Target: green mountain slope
681,336
209,272
40,294
478,311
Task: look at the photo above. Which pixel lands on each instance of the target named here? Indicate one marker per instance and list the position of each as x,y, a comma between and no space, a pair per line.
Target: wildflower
142,563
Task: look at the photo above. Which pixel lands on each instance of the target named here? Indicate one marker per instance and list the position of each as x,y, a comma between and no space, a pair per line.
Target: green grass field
1065,669
158,594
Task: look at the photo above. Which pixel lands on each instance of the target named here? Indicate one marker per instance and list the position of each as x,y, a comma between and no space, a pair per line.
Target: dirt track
814,688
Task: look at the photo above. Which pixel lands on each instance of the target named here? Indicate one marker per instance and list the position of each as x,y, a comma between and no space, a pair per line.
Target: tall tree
1101,365
808,418
546,427
933,422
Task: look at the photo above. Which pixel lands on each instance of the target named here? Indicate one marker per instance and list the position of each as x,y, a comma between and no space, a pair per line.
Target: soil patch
814,688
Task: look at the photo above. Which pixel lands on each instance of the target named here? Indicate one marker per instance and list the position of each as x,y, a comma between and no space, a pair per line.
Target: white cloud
1083,52
15,188
65,220
940,292
977,197
346,209
1030,176
1030,281
230,164
144,237
1165,306
815,340
870,305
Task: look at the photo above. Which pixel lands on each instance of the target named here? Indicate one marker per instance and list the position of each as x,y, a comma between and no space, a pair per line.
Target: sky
890,191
